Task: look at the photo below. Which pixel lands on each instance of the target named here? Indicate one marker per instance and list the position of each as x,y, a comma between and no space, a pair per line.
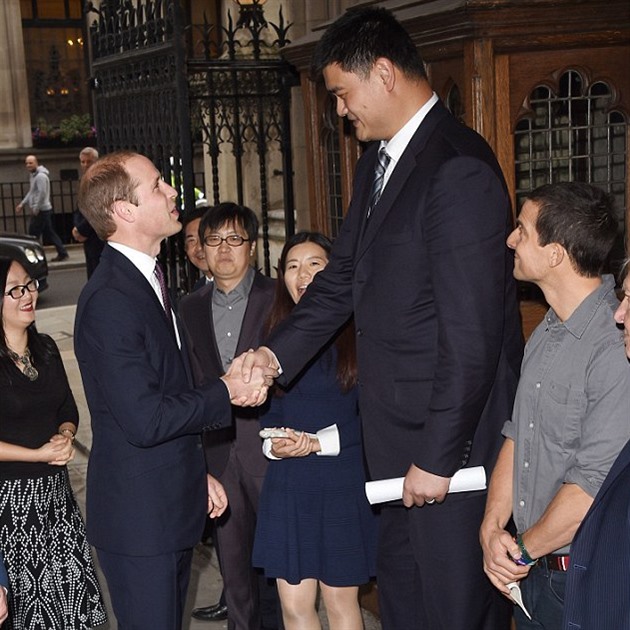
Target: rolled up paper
517,597
464,480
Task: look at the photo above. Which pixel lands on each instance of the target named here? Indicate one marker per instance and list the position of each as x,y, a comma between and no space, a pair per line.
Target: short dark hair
42,347
195,213
362,35
581,218
231,213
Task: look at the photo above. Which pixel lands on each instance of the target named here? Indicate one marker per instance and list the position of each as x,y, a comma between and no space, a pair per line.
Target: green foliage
73,130
76,127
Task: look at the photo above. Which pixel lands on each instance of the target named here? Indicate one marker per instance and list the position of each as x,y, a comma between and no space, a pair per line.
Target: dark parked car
29,252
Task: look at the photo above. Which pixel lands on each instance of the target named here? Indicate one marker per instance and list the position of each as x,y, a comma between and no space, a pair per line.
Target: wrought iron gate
170,89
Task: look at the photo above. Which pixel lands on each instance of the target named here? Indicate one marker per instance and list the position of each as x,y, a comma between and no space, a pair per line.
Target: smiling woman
42,536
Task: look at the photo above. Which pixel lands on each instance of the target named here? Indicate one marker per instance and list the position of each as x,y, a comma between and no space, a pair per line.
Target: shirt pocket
562,412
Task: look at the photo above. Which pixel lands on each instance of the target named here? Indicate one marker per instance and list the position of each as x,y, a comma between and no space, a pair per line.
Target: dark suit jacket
196,314
597,595
429,279
93,246
146,488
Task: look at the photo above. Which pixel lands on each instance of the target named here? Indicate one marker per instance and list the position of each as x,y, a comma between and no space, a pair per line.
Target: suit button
359,332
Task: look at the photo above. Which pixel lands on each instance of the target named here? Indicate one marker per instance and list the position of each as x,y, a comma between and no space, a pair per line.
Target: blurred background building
218,94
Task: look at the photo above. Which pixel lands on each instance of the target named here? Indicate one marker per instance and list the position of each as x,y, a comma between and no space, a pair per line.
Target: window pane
572,136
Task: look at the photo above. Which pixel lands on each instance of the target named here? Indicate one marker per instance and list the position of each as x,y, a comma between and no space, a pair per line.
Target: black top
32,411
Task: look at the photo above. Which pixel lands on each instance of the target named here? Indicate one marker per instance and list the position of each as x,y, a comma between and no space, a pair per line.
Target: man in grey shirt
572,410
38,200
222,320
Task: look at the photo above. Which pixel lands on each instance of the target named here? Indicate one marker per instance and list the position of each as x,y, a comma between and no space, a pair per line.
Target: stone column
15,118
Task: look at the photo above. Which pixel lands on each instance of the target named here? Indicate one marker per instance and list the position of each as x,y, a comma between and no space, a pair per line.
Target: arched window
454,102
330,138
571,131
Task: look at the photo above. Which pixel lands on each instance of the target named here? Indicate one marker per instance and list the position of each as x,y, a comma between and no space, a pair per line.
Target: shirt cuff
266,449
275,358
329,441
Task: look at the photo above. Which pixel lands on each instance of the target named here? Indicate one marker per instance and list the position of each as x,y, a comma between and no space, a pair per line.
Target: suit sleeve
325,307
134,374
465,224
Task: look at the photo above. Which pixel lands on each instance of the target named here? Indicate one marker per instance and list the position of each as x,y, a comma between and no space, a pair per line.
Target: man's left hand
217,498
422,487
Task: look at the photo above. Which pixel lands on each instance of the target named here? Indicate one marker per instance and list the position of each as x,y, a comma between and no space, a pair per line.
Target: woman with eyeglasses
315,530
52,582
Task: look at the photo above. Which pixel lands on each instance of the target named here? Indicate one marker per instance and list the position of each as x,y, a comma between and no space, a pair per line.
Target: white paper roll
464,480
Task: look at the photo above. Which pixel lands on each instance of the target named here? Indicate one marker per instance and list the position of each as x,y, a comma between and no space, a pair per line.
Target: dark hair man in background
572,410
221,321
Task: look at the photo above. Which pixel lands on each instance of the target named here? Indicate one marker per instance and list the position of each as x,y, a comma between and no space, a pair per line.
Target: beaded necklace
29,369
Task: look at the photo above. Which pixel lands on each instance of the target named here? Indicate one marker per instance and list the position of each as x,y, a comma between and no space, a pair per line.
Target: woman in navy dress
315,527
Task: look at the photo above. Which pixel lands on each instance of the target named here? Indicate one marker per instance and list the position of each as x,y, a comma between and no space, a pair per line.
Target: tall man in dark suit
421,262
147,489
598,581
221,321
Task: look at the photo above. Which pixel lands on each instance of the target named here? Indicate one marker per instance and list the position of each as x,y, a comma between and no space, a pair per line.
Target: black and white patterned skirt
52,581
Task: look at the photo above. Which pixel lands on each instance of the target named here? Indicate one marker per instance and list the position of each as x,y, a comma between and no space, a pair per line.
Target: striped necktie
379,174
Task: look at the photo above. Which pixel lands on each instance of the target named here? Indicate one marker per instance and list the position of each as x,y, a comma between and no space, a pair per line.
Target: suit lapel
131,274
406,166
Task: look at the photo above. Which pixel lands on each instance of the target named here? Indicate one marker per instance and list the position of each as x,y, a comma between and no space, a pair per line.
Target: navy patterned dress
52,580
314,520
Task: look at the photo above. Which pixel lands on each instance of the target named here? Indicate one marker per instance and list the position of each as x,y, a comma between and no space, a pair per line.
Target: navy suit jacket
429,280
146,485
196,313
597,595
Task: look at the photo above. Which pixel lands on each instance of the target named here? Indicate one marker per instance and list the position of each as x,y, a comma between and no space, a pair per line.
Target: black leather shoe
216,612
60,257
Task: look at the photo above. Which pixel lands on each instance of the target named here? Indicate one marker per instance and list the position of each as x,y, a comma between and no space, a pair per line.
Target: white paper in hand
517,597
464,480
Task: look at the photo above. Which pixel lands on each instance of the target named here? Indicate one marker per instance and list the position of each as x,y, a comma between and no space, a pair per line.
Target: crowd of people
395,352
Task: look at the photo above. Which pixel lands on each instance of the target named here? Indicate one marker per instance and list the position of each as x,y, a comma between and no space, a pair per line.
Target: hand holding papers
463,480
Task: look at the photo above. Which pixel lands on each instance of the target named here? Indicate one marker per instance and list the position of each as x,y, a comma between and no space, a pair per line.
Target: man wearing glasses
221,321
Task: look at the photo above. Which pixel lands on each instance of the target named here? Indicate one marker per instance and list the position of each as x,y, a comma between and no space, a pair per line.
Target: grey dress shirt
572,409
228,310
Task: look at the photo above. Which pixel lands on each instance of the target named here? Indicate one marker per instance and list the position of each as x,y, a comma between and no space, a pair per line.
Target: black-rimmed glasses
233,240
19,290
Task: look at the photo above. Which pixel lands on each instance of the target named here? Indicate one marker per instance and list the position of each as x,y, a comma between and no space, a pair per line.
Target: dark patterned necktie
166,301
379,174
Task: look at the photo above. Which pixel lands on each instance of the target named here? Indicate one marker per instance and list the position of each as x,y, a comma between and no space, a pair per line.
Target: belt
556,563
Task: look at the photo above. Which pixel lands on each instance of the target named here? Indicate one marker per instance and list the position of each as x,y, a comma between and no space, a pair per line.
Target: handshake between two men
250,376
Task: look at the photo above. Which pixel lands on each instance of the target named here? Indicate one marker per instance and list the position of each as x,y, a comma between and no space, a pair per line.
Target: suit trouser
147,591
41,226
243,585
430,568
